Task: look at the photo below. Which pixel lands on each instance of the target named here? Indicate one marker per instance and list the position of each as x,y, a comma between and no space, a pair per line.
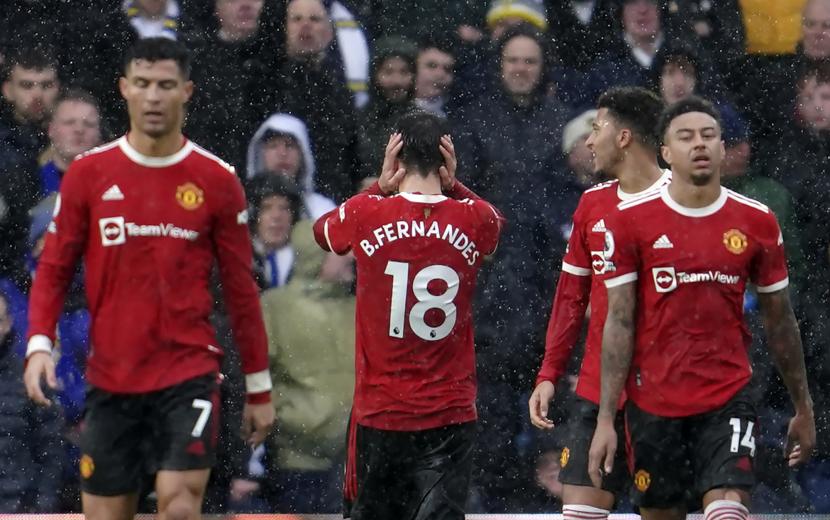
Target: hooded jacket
314,204
310,326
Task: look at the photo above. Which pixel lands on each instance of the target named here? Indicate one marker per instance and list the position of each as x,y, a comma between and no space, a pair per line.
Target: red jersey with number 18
417,260
692,266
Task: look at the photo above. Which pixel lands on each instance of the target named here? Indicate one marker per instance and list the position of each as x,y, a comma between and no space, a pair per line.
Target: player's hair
268,184
31,58
159,49
637,109
684,106
421,132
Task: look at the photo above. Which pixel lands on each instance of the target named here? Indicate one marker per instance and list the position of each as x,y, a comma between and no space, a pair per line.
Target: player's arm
65,241
232,244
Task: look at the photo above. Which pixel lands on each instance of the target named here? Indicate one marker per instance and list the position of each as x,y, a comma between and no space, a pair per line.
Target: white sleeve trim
774,287
326,232
574,270
258,382
38,343
620,280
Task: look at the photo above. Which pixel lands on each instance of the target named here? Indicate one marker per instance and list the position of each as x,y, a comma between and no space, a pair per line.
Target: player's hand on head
257,421
390,172
801,438
447,172
602,452
539,403
39,366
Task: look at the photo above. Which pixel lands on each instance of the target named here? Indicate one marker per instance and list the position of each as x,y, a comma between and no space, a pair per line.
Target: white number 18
399,271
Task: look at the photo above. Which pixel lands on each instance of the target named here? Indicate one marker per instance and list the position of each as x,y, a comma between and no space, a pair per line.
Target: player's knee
181,507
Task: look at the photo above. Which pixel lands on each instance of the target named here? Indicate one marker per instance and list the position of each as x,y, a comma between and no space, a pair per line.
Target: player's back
417,259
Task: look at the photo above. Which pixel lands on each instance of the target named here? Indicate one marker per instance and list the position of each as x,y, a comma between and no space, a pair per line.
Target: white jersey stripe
777,286
620,280
747,201
204,153
575,270
639,200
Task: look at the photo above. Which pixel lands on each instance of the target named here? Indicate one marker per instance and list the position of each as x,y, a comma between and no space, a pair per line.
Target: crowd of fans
301,95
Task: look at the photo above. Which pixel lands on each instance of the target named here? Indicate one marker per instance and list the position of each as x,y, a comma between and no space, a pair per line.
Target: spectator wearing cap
153,18
504,14
392,92
281,146
579,157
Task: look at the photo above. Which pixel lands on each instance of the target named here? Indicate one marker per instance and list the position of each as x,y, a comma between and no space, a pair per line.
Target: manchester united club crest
190,196
565,457
87,466
735,241
642,480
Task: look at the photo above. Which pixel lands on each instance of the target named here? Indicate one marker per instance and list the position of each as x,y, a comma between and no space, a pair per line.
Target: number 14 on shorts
747,440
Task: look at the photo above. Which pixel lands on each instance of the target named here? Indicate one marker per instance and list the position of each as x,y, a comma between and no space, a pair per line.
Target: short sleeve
340,227
577,260
620,254
769,267
491,225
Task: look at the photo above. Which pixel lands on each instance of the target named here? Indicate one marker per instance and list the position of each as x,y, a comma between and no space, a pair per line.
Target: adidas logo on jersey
599,227
663,243
113,193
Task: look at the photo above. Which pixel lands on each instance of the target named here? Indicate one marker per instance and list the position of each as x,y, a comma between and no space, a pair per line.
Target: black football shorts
416,475
126,438
678,459
574,458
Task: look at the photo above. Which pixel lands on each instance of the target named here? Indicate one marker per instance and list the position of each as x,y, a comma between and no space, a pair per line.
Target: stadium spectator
153,18
580,158
74,128
392,92
230,64
275,203
281,146
435,76
581,30
310,324
31,446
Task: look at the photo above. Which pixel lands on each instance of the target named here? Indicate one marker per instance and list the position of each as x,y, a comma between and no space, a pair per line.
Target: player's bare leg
726,501
180,493
586,502
663,514
121,507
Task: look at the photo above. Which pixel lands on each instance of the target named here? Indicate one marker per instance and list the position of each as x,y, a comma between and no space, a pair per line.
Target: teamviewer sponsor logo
665,279
112,231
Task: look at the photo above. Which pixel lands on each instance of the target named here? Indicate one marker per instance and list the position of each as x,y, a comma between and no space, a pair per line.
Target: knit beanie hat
532,11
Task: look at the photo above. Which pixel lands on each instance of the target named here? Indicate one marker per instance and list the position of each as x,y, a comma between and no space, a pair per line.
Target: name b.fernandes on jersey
403,229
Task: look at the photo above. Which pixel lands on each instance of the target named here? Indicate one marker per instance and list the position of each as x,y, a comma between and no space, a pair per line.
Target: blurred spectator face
581,162
641,19
736,159
501,25
814,104
5,319
815,27
274,222
395,79
239,16
677,81
74,128
151,8
521,65
281,154
156,92
308,28
31,93
693,146
602,142
435,73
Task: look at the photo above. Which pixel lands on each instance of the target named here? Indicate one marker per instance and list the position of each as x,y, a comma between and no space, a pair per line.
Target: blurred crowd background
300,96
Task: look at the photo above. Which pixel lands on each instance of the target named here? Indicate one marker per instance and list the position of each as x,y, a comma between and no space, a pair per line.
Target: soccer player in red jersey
675,337
417,254
151,213
624,143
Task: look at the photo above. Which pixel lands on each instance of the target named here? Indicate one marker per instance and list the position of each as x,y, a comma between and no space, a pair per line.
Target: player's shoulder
601,190
747,204
98,154
212,162
642,201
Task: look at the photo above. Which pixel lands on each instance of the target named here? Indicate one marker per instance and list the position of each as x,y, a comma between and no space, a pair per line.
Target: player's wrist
38,343
258,398
804,407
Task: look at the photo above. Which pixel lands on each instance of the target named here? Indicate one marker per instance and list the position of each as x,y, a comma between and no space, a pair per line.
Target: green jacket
310,327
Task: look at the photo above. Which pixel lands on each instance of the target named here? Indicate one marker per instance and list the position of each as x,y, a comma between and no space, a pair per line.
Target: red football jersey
417,260
584,261
692,266
150,229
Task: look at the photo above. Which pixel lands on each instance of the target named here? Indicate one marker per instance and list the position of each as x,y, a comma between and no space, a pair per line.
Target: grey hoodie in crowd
314,204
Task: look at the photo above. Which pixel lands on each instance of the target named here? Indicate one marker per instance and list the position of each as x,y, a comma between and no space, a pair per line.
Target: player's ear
624,137
665,153
122,86
188,90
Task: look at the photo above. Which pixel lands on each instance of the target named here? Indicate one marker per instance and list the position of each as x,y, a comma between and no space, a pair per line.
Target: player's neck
638,171
155,146
414,183
690,195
